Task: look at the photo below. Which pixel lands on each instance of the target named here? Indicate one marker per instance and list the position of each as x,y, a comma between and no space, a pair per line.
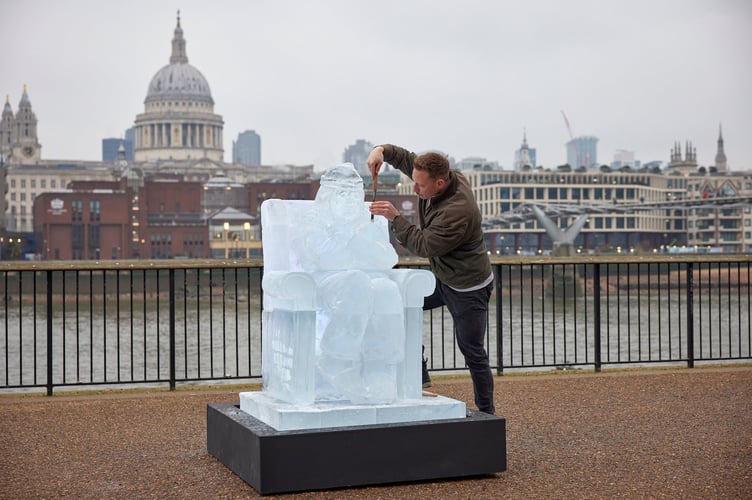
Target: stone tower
19,142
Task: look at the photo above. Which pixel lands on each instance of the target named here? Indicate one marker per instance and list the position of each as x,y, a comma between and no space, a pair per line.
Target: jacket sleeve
400,158
445,233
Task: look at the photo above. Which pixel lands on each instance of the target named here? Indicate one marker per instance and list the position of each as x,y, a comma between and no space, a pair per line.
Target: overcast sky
464,77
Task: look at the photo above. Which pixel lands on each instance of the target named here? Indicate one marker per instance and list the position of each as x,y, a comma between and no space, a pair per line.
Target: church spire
24,96
178,45
720,155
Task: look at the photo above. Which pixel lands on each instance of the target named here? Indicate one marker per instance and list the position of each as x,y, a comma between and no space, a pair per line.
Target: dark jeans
469,311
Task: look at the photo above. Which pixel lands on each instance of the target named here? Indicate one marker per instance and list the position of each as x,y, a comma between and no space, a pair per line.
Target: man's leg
431,302
426,376
469,311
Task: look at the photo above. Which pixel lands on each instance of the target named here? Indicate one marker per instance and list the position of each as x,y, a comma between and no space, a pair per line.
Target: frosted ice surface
342,329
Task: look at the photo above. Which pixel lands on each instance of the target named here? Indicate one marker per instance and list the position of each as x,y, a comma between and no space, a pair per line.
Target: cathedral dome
179,81
178,122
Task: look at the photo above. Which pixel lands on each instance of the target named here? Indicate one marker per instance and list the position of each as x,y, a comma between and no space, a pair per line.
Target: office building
246,149
113,148
583,152
357,154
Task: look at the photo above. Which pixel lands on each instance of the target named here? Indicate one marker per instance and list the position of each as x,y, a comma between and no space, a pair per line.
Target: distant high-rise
357,154
130,142
111,145
582,151
247,148
624,158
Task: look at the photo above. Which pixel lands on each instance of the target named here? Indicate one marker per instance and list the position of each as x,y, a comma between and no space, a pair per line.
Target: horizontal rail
77,324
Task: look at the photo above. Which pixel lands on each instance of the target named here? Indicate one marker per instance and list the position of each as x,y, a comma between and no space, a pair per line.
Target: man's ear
440,183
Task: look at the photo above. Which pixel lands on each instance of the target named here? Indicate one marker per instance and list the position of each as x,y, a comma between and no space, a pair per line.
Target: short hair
434,164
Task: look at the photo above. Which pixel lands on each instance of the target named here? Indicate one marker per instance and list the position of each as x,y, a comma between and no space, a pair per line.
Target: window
94,210
77,208
94,236
77,236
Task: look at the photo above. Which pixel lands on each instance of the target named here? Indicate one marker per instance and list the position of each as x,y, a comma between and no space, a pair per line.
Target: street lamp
247,229
226,227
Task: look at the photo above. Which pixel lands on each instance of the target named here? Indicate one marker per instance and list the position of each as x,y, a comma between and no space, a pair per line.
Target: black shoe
426,376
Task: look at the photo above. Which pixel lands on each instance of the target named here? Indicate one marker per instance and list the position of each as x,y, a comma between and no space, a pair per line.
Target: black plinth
283,461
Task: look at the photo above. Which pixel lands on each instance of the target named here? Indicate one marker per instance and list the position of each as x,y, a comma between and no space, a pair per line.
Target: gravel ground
671,433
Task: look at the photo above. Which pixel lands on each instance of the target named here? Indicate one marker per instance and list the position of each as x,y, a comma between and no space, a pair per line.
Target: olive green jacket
450,233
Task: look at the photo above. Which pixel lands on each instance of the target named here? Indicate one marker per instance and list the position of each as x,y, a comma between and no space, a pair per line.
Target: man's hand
375,160
385,209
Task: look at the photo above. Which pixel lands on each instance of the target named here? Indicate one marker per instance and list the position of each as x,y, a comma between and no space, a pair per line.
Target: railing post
49,331
597,317
499,342
690,316
172,328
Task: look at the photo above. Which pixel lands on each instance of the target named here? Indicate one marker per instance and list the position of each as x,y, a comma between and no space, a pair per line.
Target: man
450,236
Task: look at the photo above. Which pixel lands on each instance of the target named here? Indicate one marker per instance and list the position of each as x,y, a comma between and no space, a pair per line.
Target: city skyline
310,81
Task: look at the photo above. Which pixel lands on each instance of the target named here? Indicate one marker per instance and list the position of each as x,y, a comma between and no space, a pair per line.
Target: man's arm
398,157
445,233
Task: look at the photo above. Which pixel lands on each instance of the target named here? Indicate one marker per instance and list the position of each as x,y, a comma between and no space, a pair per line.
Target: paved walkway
673,433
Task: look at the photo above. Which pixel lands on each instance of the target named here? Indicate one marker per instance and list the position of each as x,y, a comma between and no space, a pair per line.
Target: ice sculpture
342,328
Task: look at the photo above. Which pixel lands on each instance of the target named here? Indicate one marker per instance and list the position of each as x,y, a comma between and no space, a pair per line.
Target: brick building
157,218
82,224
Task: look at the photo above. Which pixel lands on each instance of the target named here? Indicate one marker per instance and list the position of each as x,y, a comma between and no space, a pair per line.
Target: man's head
430,175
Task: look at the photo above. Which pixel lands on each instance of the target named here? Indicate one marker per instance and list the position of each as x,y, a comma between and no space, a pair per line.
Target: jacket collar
451,188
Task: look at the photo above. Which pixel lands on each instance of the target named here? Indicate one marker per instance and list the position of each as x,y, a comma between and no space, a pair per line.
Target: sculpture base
283,461
283,416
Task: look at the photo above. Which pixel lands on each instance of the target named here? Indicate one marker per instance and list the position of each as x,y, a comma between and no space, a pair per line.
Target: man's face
346,205
426,187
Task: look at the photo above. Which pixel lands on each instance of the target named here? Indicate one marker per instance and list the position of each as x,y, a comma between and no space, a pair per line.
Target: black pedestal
282,461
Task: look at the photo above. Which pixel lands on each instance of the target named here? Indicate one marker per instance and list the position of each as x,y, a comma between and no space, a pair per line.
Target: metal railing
173,322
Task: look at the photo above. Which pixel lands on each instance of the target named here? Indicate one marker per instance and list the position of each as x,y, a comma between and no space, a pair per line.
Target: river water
128,340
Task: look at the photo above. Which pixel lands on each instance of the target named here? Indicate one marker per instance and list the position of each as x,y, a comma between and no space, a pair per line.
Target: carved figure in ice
335,312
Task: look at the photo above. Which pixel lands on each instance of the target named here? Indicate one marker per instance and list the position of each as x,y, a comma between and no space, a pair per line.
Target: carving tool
375,182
